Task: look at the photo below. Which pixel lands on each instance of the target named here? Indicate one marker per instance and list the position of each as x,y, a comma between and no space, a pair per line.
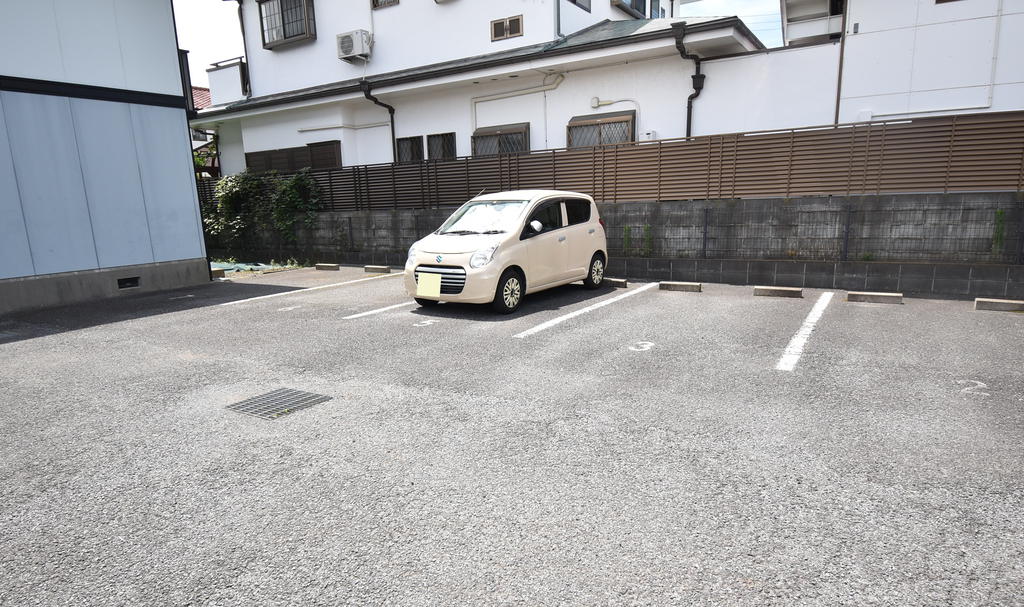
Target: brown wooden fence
970,152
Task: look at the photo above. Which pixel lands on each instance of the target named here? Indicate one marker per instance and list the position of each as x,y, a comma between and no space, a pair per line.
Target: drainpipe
698,78
246,78
365,86
558,20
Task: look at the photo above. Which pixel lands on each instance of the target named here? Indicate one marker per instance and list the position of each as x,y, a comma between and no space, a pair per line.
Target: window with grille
505,139
507,28
584,4
383,3
441,146
286,21
410,149
601,129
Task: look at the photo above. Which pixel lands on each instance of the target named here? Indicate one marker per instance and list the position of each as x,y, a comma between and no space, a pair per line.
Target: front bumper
480,282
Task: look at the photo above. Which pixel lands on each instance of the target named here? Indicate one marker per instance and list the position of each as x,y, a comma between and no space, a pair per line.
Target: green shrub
248,201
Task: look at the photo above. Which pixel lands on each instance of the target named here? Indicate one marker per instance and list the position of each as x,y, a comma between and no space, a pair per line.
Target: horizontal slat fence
969,152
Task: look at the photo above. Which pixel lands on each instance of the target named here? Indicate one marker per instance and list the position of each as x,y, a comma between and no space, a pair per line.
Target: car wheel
595,276
426,303
509,293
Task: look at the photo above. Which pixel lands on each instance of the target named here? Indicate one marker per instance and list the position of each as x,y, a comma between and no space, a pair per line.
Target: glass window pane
616,132
294,17
485,145
272,28
583,136
578,211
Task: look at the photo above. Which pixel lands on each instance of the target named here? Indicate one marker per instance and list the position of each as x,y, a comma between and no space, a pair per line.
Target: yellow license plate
429,285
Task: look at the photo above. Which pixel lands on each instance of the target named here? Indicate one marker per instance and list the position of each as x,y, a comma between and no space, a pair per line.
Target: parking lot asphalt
646,451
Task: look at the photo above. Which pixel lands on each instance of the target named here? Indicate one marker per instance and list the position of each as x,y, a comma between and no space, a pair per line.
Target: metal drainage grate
282,401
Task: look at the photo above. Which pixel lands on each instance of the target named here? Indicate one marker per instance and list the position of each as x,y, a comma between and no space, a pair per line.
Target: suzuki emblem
438,258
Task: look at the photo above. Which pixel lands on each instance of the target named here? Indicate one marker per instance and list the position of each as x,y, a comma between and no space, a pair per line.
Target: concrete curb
378,269
217,273
778,292
998,305
689,287
868,297
617,282
327,266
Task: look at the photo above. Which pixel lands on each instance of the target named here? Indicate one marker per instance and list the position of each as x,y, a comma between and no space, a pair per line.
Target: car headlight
482,257
412,254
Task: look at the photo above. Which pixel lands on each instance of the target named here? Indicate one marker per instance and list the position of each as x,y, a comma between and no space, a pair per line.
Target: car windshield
485,217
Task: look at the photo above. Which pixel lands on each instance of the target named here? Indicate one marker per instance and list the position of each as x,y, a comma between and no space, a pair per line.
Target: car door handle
561,238
590,231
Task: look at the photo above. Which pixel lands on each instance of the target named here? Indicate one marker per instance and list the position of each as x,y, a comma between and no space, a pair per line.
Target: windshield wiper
460,232
493,232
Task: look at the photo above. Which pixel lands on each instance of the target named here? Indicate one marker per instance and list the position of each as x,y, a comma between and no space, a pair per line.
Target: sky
208,29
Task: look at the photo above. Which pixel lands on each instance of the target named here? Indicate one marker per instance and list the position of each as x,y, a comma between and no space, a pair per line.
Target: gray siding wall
88,185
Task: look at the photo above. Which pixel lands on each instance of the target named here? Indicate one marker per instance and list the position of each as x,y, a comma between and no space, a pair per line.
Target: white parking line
297,291
378,310
796,345
600,304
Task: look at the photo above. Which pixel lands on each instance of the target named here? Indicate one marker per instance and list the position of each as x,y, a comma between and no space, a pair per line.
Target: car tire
426,303
595,272
509,292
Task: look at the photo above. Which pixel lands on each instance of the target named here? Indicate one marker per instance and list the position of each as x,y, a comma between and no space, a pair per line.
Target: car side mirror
536,226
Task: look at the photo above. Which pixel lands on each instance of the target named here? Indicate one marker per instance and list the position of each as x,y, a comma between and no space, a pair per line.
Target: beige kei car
497,248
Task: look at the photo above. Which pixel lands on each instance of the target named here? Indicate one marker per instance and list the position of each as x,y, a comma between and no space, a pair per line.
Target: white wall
125,44
93,184
919,57
658,88
784,88
411,33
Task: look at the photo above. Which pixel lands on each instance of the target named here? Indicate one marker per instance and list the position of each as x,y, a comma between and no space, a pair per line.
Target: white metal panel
225,84
29,44
15,255
878,63
53,198
89,43
929,11
1010,65
112,183
786,88
168,182
149,50
940,63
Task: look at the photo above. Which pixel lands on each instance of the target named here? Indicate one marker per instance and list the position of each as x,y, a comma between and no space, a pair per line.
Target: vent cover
282,401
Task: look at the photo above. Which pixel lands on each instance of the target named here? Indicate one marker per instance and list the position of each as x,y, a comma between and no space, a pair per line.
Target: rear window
578,211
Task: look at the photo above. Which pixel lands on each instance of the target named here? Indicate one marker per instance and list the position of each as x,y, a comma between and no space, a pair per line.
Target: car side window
577,211
549,215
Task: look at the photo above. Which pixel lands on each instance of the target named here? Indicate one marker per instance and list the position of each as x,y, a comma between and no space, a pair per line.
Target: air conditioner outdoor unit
355,46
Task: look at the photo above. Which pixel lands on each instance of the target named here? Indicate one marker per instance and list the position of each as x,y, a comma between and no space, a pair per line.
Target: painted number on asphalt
425,323
972,386
642,346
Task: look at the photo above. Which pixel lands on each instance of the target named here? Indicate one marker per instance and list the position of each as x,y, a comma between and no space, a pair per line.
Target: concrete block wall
939,244
966,228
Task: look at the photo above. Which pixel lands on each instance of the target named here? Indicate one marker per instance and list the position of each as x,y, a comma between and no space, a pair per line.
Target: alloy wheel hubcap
597,271
511,292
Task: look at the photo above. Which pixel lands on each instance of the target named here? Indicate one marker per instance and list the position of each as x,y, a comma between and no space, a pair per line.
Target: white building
97,194
326,85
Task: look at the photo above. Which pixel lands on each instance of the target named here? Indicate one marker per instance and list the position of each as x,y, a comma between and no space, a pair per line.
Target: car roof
527,195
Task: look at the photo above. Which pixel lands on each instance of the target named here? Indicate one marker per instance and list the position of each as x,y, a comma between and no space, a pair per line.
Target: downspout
842,54
365,86
558,19
698,78
247,81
